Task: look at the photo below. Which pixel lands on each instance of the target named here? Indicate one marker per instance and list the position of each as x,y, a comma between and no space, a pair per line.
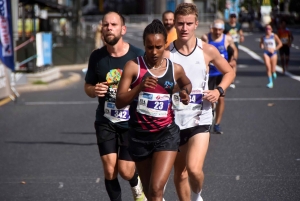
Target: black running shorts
186,134
112,139
214,81
143,144
284,50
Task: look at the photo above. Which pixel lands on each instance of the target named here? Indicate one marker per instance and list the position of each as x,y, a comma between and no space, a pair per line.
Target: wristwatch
220,89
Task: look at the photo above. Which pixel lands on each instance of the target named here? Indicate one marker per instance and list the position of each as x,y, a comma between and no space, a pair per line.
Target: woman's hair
155,27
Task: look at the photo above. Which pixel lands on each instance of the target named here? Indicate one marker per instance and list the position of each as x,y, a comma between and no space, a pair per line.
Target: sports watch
220,89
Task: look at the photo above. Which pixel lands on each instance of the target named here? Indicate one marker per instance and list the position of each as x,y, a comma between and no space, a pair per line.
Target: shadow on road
78,133
54,142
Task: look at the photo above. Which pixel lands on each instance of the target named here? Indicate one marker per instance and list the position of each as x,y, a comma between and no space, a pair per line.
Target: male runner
195,120
168,22
221,42
104,72
286,37
234,29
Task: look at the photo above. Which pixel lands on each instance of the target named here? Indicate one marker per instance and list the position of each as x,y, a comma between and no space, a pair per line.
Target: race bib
153,104
196,100
269,44
115,115
284,40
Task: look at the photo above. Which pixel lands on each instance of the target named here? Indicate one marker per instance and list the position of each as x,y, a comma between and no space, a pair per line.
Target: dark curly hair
155,27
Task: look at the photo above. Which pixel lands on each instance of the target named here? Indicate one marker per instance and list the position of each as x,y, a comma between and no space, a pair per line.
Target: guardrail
202,17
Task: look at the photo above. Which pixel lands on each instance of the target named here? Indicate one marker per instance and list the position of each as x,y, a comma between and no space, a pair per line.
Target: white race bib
284,40
115,115
153,104
196,100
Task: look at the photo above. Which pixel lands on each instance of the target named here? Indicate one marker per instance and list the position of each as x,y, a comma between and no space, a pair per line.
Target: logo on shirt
148,96
111,105
113,78
168,85
221,48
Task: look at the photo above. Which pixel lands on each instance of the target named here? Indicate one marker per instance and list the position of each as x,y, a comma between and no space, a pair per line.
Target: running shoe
217,129
270,85
137,192
232,86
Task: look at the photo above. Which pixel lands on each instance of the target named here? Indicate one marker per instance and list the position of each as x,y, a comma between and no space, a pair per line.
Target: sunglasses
268,28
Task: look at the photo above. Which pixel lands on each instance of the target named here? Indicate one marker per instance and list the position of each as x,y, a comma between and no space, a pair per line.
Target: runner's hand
101,89
232,63
211,95
185,98
148,82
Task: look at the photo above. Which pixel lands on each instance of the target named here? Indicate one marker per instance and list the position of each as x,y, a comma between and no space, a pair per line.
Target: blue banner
6,35
47,45
44,49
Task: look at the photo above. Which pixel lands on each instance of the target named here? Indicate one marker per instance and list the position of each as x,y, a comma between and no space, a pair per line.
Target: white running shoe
232,86
137,192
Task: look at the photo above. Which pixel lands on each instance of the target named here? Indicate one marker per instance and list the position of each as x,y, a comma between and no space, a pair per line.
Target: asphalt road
48,147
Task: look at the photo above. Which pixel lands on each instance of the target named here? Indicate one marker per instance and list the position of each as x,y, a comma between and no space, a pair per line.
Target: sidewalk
64,80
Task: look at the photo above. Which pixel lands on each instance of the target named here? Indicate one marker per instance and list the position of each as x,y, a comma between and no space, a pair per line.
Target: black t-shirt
103,67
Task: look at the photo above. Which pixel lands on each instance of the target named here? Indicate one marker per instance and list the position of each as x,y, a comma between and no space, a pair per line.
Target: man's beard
169,26
112,41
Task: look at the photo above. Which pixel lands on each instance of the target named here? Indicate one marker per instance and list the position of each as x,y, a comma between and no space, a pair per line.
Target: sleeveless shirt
195,69
269,42
213,71
152,109
285,36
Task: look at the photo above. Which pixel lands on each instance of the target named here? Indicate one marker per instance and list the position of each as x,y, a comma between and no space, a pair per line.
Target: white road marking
61,103
97,180
61,185
242,66
256,39
296,47
262,99
237,177
258,58
95,102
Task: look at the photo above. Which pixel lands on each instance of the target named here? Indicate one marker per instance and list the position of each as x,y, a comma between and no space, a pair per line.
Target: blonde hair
186,9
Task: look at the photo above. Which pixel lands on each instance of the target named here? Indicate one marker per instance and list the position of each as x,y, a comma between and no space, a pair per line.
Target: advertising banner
6,35
44,49
4,81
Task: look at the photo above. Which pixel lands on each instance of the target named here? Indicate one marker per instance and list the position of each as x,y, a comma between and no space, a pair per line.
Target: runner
221,42
102,78
154,136
286,38
194,122
268,43
234,29
168,21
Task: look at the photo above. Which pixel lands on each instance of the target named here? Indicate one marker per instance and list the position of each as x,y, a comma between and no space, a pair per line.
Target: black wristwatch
220,89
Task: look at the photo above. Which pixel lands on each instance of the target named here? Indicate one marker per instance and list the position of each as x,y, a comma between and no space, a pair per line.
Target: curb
58,84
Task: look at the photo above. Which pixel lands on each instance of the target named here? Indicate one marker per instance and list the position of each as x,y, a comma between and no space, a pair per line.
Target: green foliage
39,82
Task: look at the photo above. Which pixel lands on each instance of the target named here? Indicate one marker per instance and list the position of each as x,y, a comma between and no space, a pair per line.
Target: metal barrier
202,17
